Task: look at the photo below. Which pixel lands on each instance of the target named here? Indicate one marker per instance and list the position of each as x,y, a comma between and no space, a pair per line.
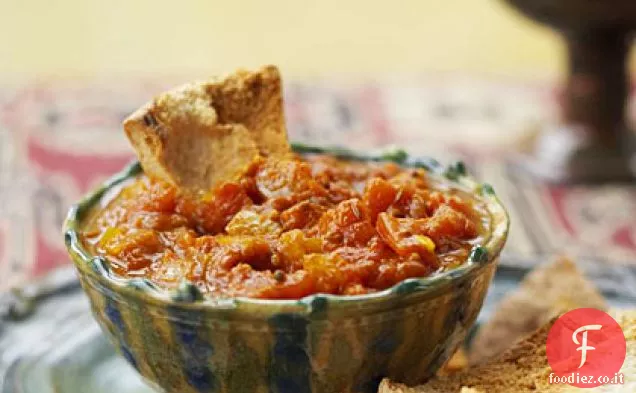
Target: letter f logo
584,347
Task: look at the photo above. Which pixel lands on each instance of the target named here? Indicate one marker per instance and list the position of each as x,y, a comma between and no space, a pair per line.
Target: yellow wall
88,37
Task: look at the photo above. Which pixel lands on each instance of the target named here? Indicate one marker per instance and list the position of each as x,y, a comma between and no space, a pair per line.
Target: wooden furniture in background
593,143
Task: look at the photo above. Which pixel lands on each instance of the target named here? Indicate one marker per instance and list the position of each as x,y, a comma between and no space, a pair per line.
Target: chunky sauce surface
291,228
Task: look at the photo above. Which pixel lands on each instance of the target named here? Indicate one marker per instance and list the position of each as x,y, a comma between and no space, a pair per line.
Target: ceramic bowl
181,341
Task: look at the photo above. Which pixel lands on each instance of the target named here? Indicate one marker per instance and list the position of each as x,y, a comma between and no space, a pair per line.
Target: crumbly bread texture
627,320
202,133
524,368
547,291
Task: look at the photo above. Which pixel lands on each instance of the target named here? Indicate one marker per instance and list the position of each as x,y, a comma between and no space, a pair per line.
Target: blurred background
457,79
72,38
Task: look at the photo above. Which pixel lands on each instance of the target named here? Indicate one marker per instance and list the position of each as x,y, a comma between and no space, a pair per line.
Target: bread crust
202,133
524,368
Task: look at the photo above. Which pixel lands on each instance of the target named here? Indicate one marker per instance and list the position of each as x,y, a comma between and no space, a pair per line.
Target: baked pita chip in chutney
201,134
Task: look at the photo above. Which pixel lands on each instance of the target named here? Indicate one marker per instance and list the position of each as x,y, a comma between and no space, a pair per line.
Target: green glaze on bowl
182,341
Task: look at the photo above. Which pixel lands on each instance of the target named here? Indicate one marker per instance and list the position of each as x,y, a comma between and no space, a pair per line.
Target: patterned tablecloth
59,139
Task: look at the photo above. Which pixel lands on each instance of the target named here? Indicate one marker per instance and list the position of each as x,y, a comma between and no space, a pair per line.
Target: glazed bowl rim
188,296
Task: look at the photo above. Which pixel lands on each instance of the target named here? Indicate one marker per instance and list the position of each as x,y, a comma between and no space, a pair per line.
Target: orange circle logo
586,348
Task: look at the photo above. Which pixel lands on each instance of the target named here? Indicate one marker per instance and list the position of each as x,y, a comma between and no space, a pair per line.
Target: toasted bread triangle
202,133
524,368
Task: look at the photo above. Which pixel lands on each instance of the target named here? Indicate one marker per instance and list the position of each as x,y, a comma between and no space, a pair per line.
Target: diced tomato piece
379,194
404,236
169,269
286,182
292,246
415,179
324,271
157,221
409,269
435,200
157,197
294,286
134,249
212,213
302,215
250,250
448,222
254,223
346,225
